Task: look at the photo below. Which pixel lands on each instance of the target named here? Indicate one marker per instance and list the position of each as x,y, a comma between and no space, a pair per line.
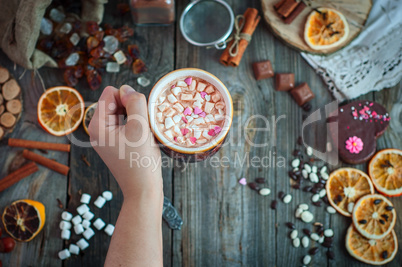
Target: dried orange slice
325,28
89,113
345,186
374,216
385,171
24,219
60,110
371,251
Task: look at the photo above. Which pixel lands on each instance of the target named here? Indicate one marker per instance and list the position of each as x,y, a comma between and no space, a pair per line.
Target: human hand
121,146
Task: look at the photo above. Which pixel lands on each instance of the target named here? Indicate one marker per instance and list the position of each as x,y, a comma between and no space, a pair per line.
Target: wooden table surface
225,224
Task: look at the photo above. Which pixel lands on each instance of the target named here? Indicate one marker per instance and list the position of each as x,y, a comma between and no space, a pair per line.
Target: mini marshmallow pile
190,112
81,224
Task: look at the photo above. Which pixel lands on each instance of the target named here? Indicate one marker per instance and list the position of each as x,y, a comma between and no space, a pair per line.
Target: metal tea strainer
207,23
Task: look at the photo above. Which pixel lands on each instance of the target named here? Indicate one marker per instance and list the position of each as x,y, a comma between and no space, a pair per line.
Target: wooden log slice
7,120
1,132
14,106
1,99
2,109
4,75
10,90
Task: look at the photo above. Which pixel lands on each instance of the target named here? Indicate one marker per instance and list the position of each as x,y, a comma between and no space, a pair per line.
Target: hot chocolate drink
190,112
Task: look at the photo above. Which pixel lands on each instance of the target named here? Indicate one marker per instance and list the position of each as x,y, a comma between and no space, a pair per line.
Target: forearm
137,240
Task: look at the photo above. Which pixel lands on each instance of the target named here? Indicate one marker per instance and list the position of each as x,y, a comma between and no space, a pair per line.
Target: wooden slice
11,89
1,132
355,12
14,106
1,99
4,75
2,109
7,120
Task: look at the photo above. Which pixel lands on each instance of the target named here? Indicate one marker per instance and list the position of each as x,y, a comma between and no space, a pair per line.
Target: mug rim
199,149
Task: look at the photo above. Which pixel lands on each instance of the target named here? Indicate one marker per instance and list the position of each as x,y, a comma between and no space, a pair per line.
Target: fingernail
126,90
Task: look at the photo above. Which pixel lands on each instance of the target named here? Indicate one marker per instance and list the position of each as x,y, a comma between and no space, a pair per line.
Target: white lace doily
372,61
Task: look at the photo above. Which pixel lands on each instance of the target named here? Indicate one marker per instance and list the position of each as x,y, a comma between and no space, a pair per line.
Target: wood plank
45,186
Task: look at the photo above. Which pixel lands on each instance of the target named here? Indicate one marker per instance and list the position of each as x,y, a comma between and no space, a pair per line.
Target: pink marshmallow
202,114
184,131
197,110
193,140
203,94
188,80
175,138
217,129
187,111
184,119
211,132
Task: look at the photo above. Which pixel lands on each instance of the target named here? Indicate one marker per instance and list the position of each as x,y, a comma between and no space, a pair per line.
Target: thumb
136,107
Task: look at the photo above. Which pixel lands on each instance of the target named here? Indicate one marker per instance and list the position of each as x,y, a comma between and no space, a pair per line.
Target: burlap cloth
20,27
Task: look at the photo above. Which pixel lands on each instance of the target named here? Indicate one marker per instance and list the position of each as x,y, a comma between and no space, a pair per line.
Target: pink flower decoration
203,94
188,80
184,119
193,140
197,110
187,111
184,131
354,145
202,114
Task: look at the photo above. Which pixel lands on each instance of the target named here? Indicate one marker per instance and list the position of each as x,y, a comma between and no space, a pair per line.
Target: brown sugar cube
302,94
263,70
284,81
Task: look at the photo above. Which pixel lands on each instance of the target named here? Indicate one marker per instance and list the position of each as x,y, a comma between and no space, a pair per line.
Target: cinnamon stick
286,8
299,8
51,164
252,19
38,145
18,175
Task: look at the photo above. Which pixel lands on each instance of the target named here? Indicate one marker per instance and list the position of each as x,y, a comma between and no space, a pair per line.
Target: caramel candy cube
284,81
263,70
302,94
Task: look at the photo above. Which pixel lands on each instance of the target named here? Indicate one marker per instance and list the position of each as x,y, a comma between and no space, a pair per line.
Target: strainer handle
220,46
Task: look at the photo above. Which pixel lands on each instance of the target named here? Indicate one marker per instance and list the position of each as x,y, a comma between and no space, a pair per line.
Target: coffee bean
296,152
328,239
307,107
292,176
384,254
290,225
385,216
389,208
254,186
281,194
313,251
315,190
317,203
319,186
362,221
307,188
325,199
306,231
296,186
377,201
382,221
326,244
300,140
297,173
260,180
330,255
274,203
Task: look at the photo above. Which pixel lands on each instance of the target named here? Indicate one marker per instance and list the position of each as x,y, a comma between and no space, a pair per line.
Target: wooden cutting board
356,13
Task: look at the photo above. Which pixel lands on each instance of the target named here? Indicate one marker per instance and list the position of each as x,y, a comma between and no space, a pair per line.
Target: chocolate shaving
60,204
84,159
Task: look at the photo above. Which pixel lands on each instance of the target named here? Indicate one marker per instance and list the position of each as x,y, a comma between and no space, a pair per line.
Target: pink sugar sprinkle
197,110
173,86
354,113
202,114
188,80
374,113
203,94
175,138
217,129
193,140
184,119
347,127
211,132
187,111
371,104
184,131
360,104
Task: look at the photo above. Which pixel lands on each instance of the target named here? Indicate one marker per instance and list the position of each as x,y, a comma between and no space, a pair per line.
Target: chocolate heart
360,123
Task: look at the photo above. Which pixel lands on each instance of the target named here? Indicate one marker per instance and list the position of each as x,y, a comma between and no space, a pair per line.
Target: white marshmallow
169,123
170,112
64,254
109,230
100,201
82,244
201,86
195,116
206,135
208,107
219,117
159,116
86,224
199,120
67,216
172,99
176,90
85,198
197,133
161,126
193,85
197,104
82,209
181,84
176,129
99,224
169,134
209,89
89,233
189,119
162,107
208,97
107,195
74,249
120,57
64,225
198,97
201,141
88,215
76,220
186,97
65,234
78,229
210,117
221,112
178,107
162,98
176,118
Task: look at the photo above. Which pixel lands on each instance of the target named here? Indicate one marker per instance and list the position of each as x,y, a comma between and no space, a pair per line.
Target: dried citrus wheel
60,110
385,171
345,186
325,28
24,219
374,216
89,113
371,251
